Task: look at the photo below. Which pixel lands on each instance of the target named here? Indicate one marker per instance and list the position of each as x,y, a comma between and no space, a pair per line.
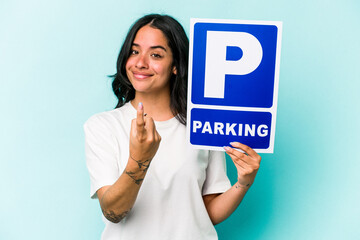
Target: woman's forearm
117,200
223,205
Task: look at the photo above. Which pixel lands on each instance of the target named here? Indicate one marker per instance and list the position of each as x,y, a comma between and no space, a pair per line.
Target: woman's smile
141,76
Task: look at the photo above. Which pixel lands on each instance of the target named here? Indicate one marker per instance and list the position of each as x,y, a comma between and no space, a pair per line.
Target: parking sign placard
233,83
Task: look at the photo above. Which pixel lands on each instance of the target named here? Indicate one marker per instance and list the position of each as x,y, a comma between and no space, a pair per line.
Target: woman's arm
221,206
117,200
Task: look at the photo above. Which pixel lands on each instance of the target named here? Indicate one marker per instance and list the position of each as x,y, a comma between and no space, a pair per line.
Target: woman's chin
142,89
142,86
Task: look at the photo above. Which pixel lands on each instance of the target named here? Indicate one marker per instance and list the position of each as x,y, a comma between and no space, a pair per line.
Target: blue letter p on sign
233,83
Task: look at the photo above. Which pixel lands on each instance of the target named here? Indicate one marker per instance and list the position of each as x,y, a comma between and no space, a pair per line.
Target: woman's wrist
136,173
242,184
142,164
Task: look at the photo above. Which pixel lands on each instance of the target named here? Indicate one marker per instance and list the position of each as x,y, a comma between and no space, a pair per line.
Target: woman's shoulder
102,116
111,116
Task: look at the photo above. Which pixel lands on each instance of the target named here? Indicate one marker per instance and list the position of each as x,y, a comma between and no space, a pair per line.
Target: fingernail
226,148
232,143
140,106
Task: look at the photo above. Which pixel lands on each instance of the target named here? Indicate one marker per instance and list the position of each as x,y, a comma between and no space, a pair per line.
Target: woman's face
149,66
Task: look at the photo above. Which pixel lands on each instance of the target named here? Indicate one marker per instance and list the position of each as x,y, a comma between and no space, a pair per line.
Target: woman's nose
142,62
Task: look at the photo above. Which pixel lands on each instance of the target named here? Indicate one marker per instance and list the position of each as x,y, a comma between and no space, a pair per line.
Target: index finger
251,152
140,118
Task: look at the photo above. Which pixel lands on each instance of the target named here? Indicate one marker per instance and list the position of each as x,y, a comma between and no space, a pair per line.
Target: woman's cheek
129,63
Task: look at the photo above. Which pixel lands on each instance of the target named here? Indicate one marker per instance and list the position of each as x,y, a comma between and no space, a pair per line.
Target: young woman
150,183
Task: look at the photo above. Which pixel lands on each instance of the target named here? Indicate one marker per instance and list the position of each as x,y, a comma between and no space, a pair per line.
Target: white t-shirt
169,204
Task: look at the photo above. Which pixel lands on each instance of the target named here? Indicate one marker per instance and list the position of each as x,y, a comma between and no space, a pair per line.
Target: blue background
256,87
231,117
54,60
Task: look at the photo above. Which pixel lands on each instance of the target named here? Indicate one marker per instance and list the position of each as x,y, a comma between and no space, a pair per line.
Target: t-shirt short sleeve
216,178
101,153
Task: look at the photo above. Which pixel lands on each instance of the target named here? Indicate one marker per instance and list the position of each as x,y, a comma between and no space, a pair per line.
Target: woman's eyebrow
158,46
152,47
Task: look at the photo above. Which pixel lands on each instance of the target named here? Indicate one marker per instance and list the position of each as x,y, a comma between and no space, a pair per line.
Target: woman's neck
156,106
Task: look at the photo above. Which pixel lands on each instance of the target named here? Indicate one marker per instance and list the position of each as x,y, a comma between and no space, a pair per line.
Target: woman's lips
141,75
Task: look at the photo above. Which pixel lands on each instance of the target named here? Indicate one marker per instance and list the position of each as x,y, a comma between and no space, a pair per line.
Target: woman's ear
174,71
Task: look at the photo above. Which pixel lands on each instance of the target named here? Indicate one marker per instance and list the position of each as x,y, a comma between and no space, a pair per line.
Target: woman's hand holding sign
247,163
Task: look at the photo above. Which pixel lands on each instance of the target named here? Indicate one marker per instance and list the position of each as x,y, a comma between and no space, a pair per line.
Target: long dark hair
179,45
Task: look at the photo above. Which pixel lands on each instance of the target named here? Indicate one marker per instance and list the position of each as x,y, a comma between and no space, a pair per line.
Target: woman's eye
133,52
155,55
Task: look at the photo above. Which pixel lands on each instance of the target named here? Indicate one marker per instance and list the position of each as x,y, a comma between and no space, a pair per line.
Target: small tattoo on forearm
133,177
143,164
238,185
115,218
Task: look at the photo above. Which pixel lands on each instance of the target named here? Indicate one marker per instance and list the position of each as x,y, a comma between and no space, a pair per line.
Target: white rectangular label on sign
233,83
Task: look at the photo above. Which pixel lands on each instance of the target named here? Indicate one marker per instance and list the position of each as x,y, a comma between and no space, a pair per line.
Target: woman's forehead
150,37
